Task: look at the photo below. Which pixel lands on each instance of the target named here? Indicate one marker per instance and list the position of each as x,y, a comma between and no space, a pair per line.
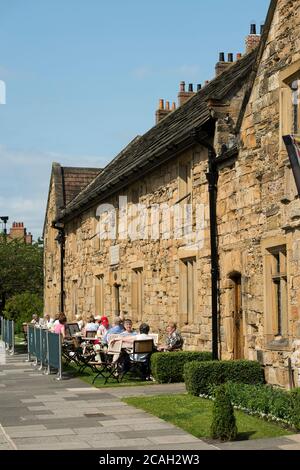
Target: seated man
142,358
115,330
174,340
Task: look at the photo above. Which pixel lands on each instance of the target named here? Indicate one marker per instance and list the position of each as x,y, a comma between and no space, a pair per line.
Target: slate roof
75,179
69,182
167,133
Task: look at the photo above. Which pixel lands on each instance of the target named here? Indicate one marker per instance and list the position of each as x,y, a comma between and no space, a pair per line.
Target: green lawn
194,415
88,376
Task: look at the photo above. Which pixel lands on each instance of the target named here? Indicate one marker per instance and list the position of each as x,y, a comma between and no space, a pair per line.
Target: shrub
223,424
21,307
200,377
296,407
266,401
168,367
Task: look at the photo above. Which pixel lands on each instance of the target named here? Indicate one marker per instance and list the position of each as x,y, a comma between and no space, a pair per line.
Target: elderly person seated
173,341
91,325
46,321
79,321
115,330
129,331
103,327
35,319
141,358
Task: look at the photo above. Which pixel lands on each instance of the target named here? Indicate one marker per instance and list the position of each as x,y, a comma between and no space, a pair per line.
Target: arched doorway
238,327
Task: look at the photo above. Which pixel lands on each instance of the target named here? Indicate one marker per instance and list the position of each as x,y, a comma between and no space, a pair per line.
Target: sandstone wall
257,201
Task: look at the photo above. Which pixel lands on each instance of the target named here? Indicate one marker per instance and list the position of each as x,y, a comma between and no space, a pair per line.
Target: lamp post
4,219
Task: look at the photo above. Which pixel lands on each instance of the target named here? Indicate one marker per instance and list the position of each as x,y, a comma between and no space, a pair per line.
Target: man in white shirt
142,358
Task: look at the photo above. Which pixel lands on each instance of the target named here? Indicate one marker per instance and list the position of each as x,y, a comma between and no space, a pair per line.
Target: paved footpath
38,412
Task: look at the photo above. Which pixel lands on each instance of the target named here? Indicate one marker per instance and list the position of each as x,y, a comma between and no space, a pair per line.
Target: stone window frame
185,178
99,287
137,291
187,314
286,76
274,340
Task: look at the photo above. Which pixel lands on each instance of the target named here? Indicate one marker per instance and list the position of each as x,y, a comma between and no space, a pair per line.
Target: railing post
41,350
59,375
48,371
34,341
28,345
12,352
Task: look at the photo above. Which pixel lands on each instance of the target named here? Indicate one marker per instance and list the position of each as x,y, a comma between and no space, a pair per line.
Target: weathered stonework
257,209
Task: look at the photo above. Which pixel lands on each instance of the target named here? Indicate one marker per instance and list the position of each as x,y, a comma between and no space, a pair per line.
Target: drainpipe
61,241
212,178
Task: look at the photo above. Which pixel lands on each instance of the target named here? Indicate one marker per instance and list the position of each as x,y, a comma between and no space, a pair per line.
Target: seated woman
59,328
91,325
79,321
103,327
174,340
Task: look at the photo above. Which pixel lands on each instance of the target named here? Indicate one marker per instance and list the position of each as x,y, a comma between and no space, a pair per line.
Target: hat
104,321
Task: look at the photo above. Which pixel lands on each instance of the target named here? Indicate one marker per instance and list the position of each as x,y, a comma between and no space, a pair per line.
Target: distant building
19,232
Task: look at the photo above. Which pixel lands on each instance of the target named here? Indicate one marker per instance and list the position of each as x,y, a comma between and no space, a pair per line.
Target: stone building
19,232
172,257
65,184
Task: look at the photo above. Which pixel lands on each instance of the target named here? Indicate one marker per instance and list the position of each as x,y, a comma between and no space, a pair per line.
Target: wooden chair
139,360
71,329
91,334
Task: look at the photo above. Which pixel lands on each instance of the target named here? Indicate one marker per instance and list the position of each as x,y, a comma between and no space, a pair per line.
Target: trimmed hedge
200,377
267,402
168,367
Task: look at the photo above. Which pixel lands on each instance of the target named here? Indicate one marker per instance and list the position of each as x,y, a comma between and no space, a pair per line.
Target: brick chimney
28,239
184,95
163,110
253,39
17,231
222,64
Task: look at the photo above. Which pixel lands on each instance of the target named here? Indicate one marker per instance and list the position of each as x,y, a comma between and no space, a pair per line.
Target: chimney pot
173,106
238,56
182,87
262,28
161,104
168,105
253,28
222,57
191,89
199,86
230,57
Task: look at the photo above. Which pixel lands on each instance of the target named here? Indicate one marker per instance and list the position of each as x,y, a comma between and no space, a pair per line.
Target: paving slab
39,412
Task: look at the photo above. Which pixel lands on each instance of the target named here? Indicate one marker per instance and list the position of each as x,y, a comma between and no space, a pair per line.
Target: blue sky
83,77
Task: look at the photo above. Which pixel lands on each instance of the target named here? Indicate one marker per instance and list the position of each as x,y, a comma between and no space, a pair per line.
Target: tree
21,269
21,307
